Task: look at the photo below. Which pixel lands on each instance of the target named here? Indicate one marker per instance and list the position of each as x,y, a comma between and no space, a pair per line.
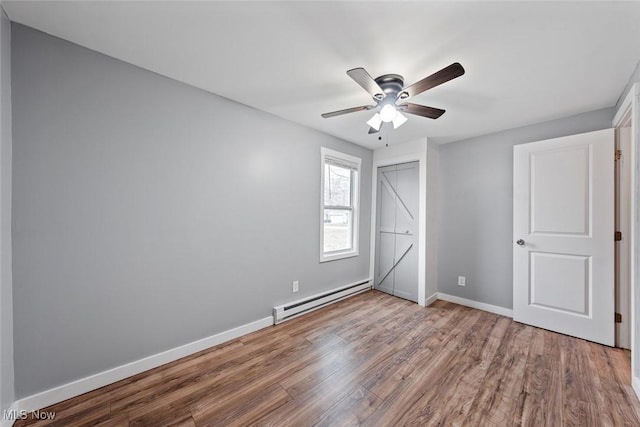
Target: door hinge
618,318
618,236
618,154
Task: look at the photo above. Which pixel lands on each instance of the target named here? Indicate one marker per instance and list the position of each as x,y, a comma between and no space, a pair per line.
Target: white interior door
396,269
563,235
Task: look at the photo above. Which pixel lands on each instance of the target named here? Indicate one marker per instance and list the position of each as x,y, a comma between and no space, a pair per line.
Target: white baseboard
430,300
475,304
635,383
84,385
12,409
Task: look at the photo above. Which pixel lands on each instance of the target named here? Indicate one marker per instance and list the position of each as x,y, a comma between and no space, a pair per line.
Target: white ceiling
526,62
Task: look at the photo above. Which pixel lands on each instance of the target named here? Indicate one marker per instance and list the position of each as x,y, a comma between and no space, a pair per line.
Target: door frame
393,155
622,222
627,115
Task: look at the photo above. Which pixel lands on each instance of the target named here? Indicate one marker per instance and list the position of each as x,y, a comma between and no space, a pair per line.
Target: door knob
520,242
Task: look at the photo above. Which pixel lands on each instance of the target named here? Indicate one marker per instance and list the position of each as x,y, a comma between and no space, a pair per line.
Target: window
339,206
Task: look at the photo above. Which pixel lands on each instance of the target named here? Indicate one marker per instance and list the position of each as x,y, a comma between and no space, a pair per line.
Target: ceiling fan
389,93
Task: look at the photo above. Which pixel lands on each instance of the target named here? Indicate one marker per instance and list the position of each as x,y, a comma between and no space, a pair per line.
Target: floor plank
354,408
375,360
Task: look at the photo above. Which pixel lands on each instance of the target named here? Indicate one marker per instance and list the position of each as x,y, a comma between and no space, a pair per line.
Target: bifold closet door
396,270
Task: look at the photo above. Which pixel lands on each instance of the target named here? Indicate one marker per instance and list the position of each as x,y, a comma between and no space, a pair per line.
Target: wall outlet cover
461,281
295,287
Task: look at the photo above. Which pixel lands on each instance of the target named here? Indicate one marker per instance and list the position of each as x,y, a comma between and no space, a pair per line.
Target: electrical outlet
295,287
461,281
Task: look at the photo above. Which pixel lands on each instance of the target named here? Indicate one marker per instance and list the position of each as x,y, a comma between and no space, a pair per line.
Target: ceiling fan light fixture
388,113
375,121
387,90
399,120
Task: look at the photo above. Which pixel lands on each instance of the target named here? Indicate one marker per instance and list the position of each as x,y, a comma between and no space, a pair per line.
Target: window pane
337,230
337,186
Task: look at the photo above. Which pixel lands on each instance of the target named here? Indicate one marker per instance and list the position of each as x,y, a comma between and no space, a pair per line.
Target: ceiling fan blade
363,78
448,73
347,111
373,130
421,110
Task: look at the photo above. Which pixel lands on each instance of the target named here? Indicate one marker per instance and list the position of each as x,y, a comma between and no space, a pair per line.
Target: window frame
355,204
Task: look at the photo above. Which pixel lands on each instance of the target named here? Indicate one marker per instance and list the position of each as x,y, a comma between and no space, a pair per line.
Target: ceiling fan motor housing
391,84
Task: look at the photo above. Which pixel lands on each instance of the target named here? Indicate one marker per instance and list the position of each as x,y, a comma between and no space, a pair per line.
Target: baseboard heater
297,308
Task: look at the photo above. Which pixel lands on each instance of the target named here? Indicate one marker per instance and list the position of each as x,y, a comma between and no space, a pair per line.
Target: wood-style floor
380,361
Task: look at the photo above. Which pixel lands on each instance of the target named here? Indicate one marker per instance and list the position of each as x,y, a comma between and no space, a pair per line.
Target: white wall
427,154
6,297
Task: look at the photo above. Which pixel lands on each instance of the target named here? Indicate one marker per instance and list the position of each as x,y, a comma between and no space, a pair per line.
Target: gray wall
6,298
149,214
476,202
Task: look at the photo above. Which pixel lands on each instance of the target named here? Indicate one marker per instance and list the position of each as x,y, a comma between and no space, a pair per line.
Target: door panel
387,211
407,193
563,224
406,270
396,231
561,282
386,253
560,206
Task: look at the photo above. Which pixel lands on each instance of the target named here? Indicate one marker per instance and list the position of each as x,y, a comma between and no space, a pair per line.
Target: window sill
337,255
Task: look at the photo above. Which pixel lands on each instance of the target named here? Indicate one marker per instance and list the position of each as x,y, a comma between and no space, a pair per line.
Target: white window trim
331,256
